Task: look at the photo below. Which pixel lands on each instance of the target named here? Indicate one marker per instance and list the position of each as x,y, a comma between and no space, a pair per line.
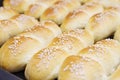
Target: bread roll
59,10
105,54
46,63
19,49
79,17
37,9
15,25
105,23
18,5
6,13
81,68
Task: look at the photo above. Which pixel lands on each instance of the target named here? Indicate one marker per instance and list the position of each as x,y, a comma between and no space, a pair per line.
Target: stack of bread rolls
61,39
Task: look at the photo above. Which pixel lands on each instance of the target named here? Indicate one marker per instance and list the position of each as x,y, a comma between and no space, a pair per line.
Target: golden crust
81,68
79,17
73,41
67,43
18,5
102,52
14,26
19,49
7,13
103,24
57,13
45,64
37,9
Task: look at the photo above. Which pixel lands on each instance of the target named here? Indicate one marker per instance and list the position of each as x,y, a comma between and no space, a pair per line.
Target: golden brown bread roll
18,5
37,9
59,10
79,17
6,13
46,63
81,68
105,23
19,49
15,25
105,54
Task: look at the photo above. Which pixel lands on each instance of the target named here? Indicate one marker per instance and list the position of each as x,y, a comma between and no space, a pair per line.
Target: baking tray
5,75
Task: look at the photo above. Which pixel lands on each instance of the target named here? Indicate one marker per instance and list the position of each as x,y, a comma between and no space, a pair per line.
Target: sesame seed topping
13,47
46,55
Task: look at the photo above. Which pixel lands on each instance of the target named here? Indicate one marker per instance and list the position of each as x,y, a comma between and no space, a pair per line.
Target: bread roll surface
59,10
18,5
6,13
80,17
19,49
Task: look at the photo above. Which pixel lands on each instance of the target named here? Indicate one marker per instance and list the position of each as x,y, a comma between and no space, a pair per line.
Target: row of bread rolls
37,7
80,17
95,62
25,5
15,25
46,64
99,26
17,51
51,9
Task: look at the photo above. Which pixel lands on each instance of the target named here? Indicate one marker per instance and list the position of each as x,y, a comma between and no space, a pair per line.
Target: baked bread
59,10
37,9
97,61
103,24
46,63
18,50
80,17
18,5
15,25
6,13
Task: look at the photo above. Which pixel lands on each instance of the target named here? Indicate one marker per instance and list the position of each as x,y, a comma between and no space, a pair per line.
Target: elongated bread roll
6,13
80,17
46,63
58,11
99,61
18,5
15,25
17,51
116,74
37,9
81,68
105,23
